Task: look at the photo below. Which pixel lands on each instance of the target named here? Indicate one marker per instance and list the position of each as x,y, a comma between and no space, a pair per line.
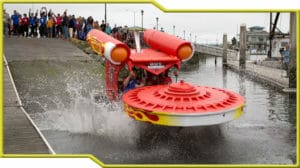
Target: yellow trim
238,112
1,88
297,84
96,45
133,112
164,118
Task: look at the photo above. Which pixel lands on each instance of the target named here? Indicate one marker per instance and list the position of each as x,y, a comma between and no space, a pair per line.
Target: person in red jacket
58,25
24,25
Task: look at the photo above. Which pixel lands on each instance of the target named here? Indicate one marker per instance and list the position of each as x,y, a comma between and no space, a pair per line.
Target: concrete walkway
274,76
21,136
33,49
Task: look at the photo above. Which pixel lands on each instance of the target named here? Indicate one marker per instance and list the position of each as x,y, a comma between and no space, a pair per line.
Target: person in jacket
16,22
32,24
43,22
131,81
25,25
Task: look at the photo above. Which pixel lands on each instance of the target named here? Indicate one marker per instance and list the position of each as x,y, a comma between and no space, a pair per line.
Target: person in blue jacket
16,21
286,57
43,21
32,24
131,81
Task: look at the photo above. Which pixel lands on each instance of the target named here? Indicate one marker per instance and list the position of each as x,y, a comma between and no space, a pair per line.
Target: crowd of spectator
48,24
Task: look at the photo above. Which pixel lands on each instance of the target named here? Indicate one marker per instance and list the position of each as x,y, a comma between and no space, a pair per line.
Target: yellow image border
164,9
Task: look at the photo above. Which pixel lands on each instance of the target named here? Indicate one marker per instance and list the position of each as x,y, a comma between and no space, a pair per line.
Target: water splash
81,108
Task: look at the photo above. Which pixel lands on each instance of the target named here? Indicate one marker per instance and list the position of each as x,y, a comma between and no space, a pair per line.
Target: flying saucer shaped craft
183,104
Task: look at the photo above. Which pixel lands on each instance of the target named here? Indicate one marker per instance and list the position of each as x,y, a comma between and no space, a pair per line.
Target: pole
243,44
156,23
272,31
133,18
224,49
292,60
142,12
174,30
270,35
105,17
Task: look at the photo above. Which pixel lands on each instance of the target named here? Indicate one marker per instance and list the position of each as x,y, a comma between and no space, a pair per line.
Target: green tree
233,41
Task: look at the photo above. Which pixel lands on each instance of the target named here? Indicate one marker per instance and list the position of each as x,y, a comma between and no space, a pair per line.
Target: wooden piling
292,61
243,46
225,49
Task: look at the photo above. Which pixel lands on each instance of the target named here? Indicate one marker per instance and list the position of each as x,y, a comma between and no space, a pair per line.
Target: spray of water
81,108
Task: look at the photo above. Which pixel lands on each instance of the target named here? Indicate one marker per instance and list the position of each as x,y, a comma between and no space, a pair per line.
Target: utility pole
156,23
173,30
142,13
270,34
105,17
224,49
272,31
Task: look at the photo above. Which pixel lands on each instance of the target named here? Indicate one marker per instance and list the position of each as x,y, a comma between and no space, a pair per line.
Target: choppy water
61,100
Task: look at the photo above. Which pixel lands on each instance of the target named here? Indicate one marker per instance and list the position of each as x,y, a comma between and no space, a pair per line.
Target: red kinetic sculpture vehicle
176,104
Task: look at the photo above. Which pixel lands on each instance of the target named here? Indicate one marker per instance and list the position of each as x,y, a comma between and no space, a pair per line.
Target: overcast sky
205,27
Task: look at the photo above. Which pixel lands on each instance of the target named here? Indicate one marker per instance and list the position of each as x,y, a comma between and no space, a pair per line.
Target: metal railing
216,51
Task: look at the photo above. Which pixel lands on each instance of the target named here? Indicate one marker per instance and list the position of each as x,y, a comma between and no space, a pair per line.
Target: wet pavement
60,94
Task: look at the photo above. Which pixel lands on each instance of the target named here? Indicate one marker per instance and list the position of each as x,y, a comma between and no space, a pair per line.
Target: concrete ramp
29,49
21,135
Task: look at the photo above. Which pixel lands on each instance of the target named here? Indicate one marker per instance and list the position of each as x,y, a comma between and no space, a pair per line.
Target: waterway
61,100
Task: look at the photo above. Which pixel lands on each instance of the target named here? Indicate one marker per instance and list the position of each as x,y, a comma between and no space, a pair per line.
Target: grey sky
208,27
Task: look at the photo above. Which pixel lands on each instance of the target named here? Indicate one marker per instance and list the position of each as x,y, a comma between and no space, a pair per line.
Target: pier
273,75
